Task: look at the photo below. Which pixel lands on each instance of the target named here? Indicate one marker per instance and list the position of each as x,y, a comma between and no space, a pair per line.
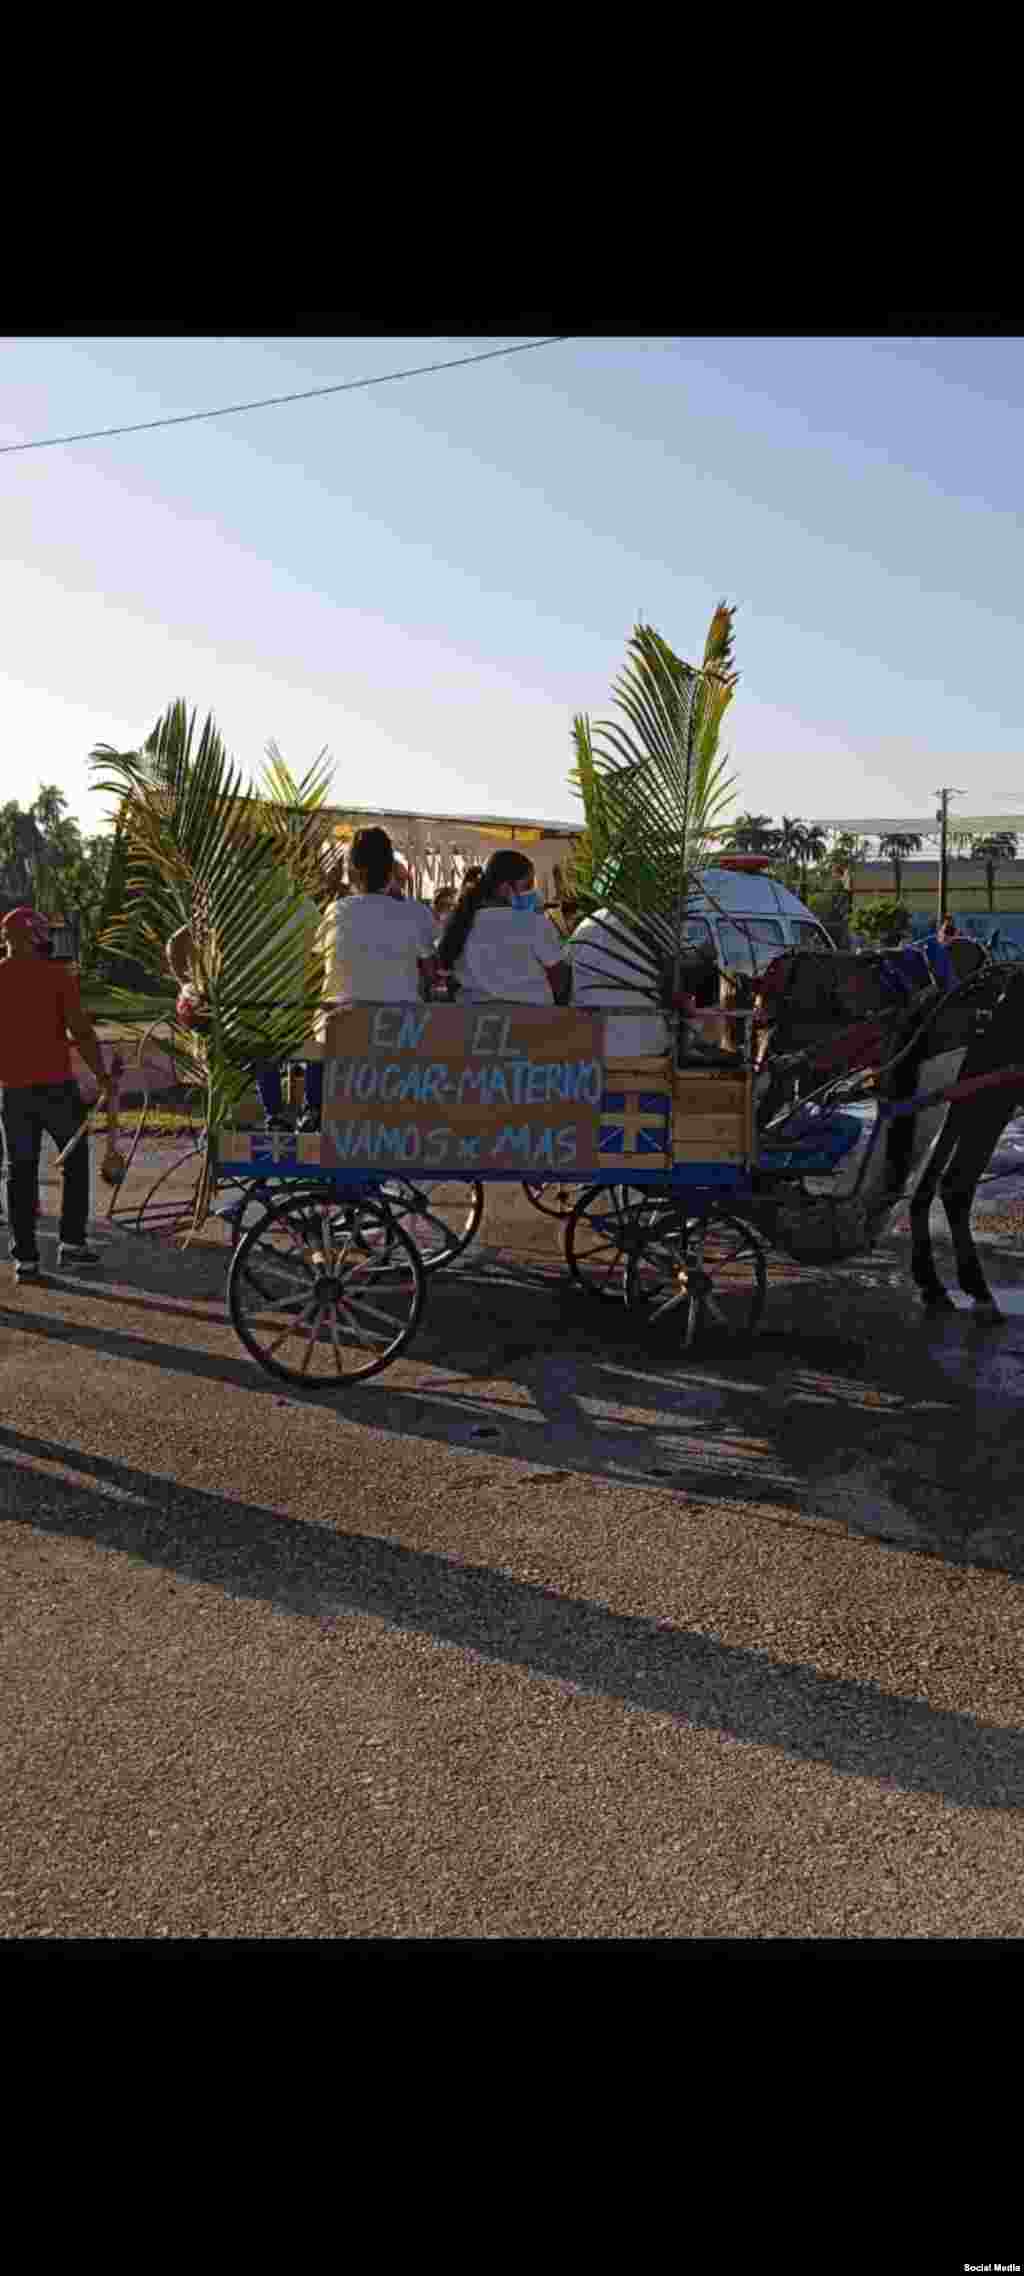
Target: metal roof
454,821
872,827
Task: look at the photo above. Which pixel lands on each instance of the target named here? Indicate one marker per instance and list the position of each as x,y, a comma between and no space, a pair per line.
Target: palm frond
654,779
290,808
595,846
199,853
296,793
719,645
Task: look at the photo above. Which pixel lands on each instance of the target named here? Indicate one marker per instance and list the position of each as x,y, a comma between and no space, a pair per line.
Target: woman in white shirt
378,947
499,944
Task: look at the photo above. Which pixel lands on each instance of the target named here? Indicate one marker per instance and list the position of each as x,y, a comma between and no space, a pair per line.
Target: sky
430,577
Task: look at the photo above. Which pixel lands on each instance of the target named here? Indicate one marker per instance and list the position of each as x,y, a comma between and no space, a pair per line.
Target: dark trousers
268,1084
25,1114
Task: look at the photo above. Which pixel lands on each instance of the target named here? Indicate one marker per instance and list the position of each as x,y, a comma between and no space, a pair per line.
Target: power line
267,402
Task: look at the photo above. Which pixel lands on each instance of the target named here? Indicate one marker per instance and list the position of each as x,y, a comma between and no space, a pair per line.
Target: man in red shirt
40,1009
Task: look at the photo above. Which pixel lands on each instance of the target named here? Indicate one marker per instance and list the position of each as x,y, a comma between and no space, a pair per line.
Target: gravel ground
540,1634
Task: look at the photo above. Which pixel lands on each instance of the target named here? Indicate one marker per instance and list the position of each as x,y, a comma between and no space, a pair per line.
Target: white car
746,919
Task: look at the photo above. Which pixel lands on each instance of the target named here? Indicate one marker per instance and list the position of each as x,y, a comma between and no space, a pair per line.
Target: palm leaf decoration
291,810
592,848
200,851
655,793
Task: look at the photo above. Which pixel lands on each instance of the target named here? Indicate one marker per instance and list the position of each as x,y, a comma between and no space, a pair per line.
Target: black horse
984,1018
969,1138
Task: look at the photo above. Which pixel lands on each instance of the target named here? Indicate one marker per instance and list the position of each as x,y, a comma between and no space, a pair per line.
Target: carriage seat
810,1144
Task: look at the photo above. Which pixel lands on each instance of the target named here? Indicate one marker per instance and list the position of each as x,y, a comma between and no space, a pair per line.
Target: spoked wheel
346,1290
551,1200
441,1216
239,1214
697,1272
600,1233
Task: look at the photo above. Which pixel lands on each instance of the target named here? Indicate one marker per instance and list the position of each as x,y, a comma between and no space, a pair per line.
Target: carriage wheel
697,1272
551,1200
250,1196
346,1289
441,1216
600,1232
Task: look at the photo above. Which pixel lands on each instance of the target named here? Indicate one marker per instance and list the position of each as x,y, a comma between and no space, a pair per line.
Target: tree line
820,869
50,863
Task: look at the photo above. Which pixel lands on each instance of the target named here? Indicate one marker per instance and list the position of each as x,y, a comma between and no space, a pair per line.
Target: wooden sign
466,1089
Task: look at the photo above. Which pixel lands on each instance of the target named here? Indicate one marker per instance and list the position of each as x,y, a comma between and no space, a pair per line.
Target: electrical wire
266,402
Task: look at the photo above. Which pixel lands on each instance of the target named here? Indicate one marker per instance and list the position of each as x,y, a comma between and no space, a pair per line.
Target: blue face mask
531,900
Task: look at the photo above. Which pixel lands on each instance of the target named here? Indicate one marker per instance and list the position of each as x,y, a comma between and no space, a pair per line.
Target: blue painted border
696,1176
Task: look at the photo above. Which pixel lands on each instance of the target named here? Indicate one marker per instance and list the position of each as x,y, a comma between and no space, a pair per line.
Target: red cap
29,921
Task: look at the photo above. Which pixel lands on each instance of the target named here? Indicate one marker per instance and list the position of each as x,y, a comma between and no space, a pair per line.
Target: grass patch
122,1008
170,1122
161,1122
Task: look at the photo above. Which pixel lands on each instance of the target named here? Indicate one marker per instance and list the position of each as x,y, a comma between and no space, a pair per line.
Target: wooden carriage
678,1188
509,1091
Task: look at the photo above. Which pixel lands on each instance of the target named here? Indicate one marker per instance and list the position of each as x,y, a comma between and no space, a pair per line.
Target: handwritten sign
464,1089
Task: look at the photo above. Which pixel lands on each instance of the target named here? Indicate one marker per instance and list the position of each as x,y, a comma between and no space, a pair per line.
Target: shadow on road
847,1406
253,1552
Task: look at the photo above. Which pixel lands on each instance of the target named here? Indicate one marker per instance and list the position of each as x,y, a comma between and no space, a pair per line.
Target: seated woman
499,945
378,947
600,980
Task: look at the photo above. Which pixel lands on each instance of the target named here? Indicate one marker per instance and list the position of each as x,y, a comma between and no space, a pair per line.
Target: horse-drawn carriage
825,1107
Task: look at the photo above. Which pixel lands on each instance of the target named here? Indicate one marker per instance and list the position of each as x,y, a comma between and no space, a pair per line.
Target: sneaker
79,1254
26,1269
308,1123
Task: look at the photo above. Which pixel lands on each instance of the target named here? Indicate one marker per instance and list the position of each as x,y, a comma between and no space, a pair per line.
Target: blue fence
1004,936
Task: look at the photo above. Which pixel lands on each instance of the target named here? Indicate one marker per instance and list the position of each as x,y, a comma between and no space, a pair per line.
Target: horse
968,1140
807,1009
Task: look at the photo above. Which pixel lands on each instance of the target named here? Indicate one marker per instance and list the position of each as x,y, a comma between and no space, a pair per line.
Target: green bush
878,920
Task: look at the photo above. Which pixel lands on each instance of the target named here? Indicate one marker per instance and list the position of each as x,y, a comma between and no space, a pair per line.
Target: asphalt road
542,1633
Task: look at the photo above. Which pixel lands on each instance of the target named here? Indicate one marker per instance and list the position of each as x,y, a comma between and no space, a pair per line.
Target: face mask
531,900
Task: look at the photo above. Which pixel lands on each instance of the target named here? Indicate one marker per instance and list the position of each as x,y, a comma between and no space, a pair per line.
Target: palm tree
655,793
799,844
199,853
843,855
1000,845
22,852
791,839
895,846
813,849
845,852
753,834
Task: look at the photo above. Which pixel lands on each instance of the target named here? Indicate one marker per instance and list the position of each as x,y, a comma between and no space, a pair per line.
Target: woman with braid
498,943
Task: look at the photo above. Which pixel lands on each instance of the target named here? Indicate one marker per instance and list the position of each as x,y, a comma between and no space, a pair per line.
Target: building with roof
437,848
967,886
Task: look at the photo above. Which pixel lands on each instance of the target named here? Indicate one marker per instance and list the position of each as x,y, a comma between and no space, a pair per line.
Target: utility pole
942,818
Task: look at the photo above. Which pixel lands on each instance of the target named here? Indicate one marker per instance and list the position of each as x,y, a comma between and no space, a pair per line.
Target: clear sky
431,577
